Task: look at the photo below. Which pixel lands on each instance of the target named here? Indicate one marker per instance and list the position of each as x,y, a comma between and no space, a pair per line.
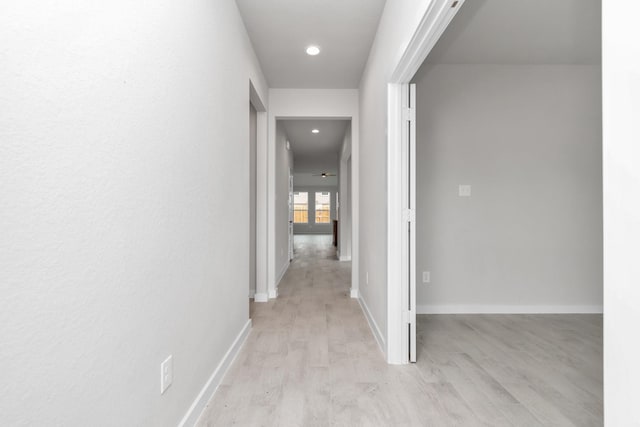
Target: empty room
509,212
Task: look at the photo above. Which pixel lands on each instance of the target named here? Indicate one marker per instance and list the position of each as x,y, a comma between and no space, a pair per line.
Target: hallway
146,161
311,360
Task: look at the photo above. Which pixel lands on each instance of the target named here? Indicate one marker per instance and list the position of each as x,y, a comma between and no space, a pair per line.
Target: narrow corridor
311,358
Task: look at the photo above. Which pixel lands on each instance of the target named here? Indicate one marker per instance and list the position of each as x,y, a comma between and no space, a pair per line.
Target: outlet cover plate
464,190
166,374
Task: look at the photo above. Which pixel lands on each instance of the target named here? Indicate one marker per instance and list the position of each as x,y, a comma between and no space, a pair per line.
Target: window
300,207
323,207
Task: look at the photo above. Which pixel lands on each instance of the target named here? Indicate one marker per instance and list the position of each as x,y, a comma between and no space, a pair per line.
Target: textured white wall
621,102
124,133
528,141
397,25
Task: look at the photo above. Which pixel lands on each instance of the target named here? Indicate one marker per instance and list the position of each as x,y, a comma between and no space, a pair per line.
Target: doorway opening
313,158
257,151
401,220
502,149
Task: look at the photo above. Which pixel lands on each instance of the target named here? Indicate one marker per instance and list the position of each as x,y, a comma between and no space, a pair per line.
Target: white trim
355,204
261,297
373,325
509,309
410,230
435,20
395,293
262,121
433,23
270,180
252,294
197,407
345,219
355,293
273,293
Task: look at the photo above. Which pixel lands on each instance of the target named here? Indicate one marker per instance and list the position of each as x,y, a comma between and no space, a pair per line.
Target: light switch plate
426,277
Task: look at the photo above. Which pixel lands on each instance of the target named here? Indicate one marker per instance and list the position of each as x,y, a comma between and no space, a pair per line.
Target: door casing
399,267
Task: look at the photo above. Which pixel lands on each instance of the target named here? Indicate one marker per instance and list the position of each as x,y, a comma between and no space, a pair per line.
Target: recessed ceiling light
313,50
315,131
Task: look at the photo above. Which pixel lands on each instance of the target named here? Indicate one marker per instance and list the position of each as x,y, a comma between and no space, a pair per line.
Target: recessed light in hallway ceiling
282,30
315,131
313,50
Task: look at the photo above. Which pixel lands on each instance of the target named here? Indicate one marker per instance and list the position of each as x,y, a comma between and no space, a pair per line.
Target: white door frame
290,213
261,294
433,23
344,203
297,104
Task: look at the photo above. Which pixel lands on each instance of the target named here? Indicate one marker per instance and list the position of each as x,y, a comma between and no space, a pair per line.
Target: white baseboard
508,309
344,258
373,325
261,297
197,407
252,293
273,293
283,271
354,293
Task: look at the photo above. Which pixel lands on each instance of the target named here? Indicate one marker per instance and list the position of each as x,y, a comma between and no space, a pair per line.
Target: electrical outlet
426,277
464,190
166,374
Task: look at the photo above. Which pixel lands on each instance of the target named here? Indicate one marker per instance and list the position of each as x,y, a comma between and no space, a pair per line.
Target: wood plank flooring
311,360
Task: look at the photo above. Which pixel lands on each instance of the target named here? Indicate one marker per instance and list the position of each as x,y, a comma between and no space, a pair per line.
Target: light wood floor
311,360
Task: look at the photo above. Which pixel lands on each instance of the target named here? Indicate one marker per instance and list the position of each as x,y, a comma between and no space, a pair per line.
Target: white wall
621,102
121,124
528,141
311,227
397,25
284,162
307,103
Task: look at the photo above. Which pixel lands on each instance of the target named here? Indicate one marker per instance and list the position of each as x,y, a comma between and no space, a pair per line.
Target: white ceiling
315,153
522,32
280,30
